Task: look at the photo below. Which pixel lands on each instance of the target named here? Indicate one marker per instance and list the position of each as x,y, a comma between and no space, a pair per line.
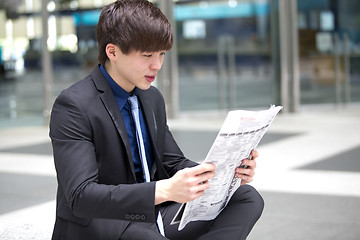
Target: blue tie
135,113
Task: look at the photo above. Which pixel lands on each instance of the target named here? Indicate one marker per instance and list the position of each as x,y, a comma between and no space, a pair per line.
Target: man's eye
163,53
147,55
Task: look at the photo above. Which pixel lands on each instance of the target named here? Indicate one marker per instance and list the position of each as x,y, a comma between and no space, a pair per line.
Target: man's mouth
150,78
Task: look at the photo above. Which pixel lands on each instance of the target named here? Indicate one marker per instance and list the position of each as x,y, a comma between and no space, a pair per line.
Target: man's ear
111,51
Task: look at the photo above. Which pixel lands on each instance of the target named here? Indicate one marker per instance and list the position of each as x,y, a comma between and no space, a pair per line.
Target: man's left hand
247,174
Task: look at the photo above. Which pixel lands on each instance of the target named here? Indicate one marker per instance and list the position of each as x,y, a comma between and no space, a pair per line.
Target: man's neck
111,70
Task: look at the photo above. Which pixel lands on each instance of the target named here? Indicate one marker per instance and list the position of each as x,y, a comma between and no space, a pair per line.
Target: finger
249,163
245,179
200,187
196,191
254,153
190,179
202,168
200,179
244,172
204,177
195,195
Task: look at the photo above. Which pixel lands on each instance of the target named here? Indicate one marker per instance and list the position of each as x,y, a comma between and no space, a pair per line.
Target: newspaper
240,133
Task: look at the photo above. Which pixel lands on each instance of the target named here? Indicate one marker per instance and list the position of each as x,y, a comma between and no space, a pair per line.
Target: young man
99,157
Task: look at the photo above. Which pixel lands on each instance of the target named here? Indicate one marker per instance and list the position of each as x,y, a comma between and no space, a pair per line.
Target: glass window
224,52
329,51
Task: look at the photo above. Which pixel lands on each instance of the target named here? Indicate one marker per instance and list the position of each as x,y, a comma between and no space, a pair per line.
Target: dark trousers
234,222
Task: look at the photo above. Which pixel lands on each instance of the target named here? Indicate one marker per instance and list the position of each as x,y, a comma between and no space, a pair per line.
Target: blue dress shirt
121,97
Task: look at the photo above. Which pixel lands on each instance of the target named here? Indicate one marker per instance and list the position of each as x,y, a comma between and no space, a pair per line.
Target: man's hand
247,174
186,185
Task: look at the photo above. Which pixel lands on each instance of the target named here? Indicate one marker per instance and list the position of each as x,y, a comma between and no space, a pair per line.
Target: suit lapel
108,99
152,125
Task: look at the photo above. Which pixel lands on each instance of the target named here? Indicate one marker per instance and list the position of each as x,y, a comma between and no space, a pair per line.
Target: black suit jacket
97,191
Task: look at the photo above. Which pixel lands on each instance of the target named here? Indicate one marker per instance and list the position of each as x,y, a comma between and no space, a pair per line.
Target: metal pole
232,72
275,49
284,73
47,67
347,69
222,72
294,50
169,74
337,70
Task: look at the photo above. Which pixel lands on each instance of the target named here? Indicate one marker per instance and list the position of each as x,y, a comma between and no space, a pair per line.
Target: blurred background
228,54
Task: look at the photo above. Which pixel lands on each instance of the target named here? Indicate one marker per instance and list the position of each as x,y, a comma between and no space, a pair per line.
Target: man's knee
248,194
239,216
254,195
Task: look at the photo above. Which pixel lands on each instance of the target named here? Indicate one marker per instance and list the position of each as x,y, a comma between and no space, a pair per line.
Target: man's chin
144,86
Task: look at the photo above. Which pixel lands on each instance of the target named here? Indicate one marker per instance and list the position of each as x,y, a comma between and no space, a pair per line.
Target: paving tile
308,216
21,190
348,161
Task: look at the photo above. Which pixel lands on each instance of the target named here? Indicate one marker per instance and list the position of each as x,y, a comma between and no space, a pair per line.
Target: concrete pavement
308,172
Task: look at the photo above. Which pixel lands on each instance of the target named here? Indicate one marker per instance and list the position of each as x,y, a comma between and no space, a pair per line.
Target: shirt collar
120,94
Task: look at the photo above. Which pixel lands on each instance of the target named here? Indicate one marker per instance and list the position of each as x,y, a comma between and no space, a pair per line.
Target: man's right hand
186,185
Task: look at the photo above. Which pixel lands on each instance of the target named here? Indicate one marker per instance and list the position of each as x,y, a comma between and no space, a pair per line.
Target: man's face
135,69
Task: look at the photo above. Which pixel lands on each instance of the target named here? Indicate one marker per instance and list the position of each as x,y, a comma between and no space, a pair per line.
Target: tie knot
133,102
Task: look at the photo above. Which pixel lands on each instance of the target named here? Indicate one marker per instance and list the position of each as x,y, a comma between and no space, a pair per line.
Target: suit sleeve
77,170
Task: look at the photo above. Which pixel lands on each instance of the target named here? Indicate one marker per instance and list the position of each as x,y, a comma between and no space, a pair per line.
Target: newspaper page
240,133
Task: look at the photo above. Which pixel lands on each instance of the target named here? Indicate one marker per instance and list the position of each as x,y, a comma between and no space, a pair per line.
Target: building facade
228,54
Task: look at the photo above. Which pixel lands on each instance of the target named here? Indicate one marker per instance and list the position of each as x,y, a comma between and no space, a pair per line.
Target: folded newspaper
240,133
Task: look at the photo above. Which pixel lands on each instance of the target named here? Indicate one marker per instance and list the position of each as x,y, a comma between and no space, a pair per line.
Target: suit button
142,217
127,216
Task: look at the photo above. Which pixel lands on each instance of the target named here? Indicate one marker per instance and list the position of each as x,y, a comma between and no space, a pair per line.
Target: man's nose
156,64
